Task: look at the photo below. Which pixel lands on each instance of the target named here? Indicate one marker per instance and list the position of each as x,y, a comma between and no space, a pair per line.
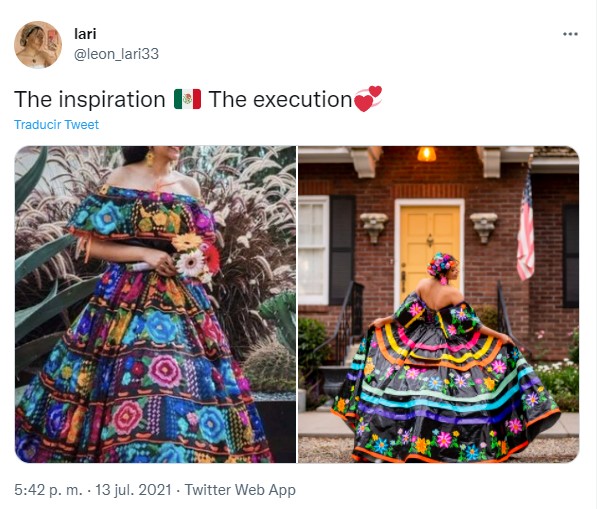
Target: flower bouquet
196,258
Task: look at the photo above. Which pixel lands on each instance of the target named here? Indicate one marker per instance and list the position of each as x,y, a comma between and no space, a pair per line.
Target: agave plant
67,175
282,310
29,318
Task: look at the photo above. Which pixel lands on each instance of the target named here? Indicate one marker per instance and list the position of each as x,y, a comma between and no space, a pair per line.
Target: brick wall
457,173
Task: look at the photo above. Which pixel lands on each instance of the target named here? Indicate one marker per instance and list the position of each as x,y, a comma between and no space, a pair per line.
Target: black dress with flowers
430,387
145,373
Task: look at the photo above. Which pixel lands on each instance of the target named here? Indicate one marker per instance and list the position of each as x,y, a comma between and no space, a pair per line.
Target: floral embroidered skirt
414,396
143,375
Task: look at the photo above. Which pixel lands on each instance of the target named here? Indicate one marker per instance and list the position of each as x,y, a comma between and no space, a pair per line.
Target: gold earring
149,159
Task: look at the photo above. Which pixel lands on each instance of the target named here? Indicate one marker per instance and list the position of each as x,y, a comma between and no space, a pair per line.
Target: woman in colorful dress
432,383
145,373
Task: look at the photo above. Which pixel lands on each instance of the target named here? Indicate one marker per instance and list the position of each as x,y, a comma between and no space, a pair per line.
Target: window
571,264
325,248
313,249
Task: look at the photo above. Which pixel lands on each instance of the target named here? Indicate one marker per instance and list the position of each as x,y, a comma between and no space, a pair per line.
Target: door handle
403,280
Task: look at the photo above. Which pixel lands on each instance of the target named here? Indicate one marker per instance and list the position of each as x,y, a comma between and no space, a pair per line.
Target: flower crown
440,264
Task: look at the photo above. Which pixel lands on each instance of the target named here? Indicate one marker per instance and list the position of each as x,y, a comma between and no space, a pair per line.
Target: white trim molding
323,299
425,202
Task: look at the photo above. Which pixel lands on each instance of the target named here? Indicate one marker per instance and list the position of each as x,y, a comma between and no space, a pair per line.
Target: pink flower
415,309
164,371
412,373
444,440
451,330
499,366
126,417
515,426
192,418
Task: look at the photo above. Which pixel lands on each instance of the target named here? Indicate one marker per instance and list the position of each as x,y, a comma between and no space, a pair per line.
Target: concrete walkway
322,423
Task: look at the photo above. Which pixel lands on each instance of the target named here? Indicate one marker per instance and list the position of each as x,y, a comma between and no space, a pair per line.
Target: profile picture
38,45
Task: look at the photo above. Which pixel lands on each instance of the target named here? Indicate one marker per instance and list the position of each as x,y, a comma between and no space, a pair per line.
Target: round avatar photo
38,45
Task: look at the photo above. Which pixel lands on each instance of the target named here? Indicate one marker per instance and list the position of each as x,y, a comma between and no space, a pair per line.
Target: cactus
270,367
282,309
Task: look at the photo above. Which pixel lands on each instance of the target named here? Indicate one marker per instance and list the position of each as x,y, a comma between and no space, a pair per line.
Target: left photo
155,311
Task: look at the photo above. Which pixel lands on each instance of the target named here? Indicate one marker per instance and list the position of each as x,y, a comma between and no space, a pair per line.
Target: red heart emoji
374,91
363,102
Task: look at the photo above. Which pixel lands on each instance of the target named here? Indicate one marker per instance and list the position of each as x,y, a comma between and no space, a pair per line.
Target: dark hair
27,31
134,154
440,264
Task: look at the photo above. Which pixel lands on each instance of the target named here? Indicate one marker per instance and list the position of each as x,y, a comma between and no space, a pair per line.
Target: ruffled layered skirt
144,374
413,395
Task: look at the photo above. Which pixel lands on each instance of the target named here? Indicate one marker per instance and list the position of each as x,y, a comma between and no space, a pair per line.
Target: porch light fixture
484,224
426,154
374,224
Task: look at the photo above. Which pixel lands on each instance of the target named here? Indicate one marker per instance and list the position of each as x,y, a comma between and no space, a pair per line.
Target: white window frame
324,200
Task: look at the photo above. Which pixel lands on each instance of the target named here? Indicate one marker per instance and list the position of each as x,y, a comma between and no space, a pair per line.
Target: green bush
311,334
488,315
573,350
561,379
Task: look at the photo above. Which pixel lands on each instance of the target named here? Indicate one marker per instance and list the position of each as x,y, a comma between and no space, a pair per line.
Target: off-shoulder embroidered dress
430,387
145,373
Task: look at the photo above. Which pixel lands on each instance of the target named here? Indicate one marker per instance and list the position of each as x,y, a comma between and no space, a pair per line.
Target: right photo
438,303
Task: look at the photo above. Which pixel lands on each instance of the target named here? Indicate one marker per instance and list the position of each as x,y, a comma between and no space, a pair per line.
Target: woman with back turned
432,383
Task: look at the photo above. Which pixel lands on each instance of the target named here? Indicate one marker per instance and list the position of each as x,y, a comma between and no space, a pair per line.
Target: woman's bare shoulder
120,176
455,295
423,283
190,185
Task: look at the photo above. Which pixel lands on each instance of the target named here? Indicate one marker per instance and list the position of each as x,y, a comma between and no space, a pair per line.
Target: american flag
526,235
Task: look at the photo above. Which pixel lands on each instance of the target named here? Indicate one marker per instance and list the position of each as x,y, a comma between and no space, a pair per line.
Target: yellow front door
423,232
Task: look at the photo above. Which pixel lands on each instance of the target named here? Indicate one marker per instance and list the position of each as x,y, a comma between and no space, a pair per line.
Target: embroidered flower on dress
171,453
212,424
160,327
106,219
186,242
380,446
164,371
415,309
435,383
451,330
126,417
532,399
472,453
444,439
499,366
515,426
413,373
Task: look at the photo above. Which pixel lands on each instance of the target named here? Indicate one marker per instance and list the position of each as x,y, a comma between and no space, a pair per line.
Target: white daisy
190,264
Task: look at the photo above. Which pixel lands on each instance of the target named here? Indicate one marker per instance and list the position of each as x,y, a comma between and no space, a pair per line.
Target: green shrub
488,315
573,350
561,379
311,334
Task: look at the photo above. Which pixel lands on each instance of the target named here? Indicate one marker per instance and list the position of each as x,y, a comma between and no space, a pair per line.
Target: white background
453,73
